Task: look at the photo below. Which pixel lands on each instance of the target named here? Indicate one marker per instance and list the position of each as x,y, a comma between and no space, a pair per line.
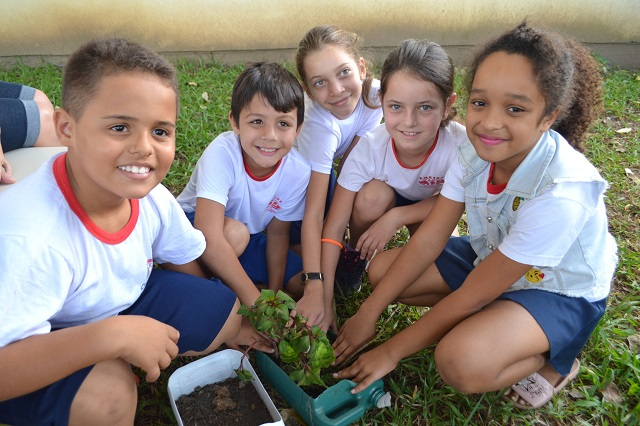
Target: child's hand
250,338
146,343
355,333
5,170
377,236
329,321
369,367
311,304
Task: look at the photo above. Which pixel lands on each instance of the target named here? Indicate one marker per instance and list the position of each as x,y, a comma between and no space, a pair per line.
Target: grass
607,391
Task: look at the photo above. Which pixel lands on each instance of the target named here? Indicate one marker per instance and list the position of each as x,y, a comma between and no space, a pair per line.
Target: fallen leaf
192,83
576,394
632,175
205,96
611,393
624,130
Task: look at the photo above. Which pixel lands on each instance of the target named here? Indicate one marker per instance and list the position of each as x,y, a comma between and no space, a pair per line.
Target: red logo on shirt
274,205
431,181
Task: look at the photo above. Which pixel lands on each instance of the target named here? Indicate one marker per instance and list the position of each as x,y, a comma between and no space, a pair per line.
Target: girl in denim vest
514,302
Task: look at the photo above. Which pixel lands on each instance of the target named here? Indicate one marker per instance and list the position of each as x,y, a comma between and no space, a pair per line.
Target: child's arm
337,220
219,256
420,252
277,251
191,268
382,230
492,277
39,360
313,304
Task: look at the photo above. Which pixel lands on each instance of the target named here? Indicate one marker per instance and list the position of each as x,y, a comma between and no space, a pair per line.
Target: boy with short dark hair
80,299
249,180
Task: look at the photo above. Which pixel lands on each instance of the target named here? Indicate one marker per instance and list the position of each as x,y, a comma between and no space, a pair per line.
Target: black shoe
349,272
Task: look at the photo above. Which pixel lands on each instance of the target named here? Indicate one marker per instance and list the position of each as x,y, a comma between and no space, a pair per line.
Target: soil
225,403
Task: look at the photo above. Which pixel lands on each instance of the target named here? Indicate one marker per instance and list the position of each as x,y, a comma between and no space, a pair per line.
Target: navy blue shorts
567,321
19,116
254,261
295,234
254,258
402,201
197,307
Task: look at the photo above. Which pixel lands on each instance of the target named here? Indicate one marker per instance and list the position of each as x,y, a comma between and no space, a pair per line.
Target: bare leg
108,396
47,136
373,200
236,234
492,349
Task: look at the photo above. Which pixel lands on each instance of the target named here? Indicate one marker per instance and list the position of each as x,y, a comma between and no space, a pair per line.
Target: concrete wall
246,30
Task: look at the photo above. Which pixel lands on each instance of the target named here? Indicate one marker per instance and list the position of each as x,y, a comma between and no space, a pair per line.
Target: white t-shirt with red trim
324,138
374,157
222,176
58,269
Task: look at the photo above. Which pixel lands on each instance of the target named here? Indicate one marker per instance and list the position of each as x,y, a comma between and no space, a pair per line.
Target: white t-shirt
220,175
323,137
539,238
374,157
60,270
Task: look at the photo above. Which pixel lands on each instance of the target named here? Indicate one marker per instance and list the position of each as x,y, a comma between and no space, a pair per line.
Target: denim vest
588,266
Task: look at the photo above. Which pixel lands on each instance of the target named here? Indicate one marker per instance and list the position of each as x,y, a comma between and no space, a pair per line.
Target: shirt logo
274,205
431,181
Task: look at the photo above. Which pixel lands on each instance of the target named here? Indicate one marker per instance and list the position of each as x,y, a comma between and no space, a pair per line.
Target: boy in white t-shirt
249,181
80,299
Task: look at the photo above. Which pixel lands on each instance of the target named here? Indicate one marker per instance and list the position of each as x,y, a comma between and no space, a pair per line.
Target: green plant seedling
303,350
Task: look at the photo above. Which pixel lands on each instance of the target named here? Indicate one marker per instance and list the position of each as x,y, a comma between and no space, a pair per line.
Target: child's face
505,112
413,110
123,143
334,80
266,135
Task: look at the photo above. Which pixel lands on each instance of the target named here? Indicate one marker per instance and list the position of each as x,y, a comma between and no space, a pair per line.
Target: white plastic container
215,368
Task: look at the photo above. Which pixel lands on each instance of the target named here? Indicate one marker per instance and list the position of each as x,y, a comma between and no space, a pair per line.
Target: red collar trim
491,188
395,154
256,178
62,179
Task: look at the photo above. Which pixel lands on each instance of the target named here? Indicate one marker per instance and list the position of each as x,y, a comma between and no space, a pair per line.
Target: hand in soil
369,367
354,334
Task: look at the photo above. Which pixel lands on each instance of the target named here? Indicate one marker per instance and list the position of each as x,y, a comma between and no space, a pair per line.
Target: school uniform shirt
60,270
550,215
221,176
324,138
374,157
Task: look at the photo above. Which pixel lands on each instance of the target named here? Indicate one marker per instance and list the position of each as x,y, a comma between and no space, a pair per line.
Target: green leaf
264,324
288,353
244,375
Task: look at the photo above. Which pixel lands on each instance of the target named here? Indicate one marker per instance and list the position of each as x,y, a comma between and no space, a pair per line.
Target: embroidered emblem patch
516,203
534,275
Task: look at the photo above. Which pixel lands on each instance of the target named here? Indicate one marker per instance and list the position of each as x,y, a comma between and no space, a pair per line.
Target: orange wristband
329,240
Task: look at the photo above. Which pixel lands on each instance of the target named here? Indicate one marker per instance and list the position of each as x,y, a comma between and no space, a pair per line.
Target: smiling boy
80,299
249,180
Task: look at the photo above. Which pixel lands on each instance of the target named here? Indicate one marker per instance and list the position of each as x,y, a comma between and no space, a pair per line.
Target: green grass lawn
607,390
